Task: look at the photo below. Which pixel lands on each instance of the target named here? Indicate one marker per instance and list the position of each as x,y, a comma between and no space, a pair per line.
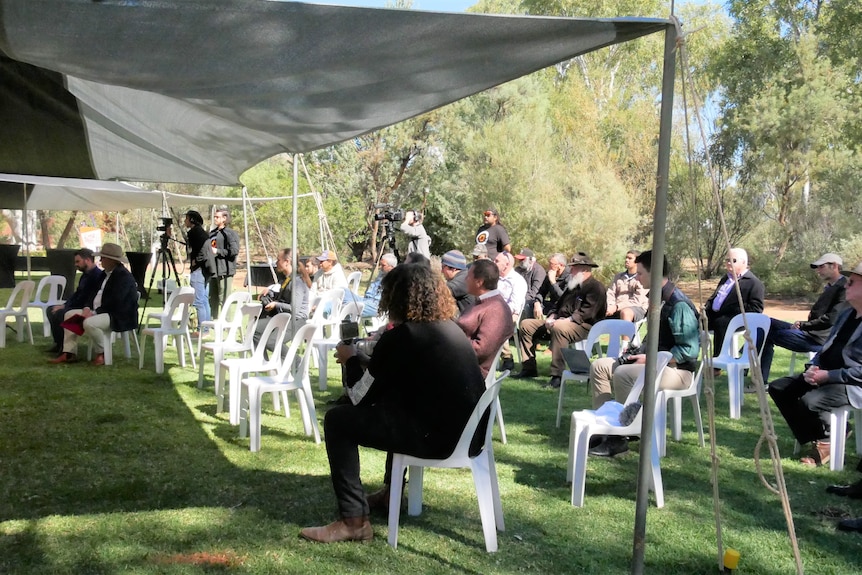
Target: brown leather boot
821,454
379,500
345,529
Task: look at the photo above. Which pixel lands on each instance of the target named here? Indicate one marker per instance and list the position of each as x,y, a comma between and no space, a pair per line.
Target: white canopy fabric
198,91
46,193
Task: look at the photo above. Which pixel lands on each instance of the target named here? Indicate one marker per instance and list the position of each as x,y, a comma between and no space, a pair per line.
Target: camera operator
202,263
412,227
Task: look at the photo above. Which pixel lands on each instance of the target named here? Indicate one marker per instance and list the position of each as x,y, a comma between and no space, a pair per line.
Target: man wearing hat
578,309
808,336
480,252
453,265
115,307
534,274
833,380
493,235
330,275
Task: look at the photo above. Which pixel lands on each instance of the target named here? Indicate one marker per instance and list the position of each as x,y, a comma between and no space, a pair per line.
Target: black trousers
346,427
55,318
806,407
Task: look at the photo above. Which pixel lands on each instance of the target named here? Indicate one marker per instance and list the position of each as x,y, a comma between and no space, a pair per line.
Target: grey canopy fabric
198,91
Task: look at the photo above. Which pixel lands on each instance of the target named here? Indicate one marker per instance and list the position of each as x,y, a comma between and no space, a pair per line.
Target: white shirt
513,288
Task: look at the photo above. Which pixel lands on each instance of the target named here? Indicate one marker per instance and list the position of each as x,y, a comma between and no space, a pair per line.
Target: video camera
388,213
164,224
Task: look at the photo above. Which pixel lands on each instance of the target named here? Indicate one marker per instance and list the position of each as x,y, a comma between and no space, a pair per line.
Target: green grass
118,470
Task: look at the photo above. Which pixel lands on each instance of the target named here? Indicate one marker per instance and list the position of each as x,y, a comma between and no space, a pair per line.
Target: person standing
224,244
412,227
493,235
201,260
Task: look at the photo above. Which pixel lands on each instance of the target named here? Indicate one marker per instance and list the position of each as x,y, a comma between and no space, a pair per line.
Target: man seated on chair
453,266
833,379
91,280
115,308
552,288
578,309
371,300
513,288
276,302
626,296
488,322
678,334
723,305
808,336
534,274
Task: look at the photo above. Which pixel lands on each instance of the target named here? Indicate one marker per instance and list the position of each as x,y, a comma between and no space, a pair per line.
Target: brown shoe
819,456
64,358
346,529
99,359
379,500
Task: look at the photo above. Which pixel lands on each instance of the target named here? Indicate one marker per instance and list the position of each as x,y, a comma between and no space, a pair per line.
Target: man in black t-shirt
833,380
493,235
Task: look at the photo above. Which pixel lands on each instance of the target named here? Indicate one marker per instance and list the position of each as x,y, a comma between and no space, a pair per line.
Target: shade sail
198,91
47,193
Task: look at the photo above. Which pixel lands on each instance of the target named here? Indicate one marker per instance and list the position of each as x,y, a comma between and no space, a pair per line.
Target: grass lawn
118,470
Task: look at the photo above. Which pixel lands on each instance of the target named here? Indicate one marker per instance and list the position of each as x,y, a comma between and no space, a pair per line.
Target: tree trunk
67,230
45,227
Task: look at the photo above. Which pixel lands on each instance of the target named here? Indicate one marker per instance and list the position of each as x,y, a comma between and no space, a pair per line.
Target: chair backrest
350,311
662,360
55,285
169,286
488,402
289,365
328,308
249,314
181,299
353,281
758,323
614,329
235,300
278,324
22,293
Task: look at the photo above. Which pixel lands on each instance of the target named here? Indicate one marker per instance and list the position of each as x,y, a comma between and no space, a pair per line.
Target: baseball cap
525,253
327,255
828,259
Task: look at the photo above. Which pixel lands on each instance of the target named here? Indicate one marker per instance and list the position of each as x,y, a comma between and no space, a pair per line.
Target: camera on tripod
388,213
164,224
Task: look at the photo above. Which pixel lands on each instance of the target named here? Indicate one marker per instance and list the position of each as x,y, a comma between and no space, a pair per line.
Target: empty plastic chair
180,303
16,307
48,293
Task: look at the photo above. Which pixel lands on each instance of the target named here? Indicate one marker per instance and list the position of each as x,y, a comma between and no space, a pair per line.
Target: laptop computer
577,360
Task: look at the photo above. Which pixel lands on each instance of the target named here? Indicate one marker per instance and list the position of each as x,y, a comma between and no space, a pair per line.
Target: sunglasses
823,265
728,261
490,214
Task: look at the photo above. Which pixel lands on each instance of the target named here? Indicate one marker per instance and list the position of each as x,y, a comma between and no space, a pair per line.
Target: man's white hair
389,259
738,254
559,258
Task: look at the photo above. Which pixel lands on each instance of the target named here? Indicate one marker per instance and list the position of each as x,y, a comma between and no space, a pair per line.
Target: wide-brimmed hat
582,259
525,253
857,270
112,251
327,255
455,260
827,259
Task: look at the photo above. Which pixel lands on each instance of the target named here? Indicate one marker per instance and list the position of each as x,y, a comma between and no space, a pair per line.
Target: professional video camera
164,224
388,213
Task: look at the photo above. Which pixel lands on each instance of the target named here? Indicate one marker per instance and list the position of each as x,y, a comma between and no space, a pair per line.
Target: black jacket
825,311
120,299
88,287
586,304
226,243
458,286
752,297
200,254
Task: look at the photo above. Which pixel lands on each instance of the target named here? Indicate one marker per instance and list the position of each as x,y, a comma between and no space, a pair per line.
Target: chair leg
321,372
560,399
500,421
254,405
581,450
655,465
159,346
482,481
142,349
734,386
414,489
201,351
677,418
108,348
698,420
395,491
661,422
837,437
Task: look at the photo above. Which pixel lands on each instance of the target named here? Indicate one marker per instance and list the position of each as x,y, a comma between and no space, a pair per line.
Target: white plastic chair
55,286
16,307
237,339
326,318
615,329
675,395
353,280
838,435
292,375
324,345
236,367
489,381
734,361
229,316
585,424
171,314
180,303
482,465
810,355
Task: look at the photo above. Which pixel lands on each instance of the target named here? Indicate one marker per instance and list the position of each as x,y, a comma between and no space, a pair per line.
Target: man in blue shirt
373,292
91,280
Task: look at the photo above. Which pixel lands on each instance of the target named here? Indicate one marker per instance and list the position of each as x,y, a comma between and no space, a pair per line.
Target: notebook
577,360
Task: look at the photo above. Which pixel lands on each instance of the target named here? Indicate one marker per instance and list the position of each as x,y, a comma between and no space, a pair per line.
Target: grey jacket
851,374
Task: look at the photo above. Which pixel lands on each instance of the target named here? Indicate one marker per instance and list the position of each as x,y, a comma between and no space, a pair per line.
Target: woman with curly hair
422,383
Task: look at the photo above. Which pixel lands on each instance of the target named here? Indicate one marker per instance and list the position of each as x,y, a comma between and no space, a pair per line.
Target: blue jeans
201,303
782,334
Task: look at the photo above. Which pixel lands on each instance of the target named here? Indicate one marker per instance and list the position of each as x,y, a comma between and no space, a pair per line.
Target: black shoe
850,524
612,445
508,363
344,399
853,491
525,373
554,382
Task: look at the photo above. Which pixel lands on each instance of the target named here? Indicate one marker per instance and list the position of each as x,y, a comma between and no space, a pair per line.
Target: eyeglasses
489,213
823,265
729,261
